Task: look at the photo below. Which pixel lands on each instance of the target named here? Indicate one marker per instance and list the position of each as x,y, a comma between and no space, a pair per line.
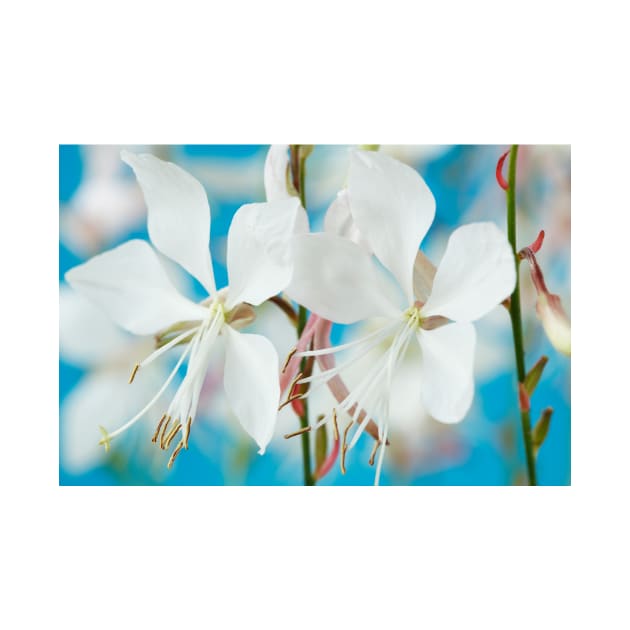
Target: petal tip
127,156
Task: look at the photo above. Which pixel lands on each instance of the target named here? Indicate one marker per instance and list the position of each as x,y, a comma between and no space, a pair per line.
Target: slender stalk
298,173
515,315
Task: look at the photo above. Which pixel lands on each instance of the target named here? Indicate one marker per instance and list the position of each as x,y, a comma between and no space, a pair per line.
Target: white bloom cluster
366,264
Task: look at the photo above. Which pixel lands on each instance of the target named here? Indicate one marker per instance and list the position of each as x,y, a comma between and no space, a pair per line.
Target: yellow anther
290,435
157,431
187,432
289,357
373,454
106,440
344,448
291,398
180,446
168,421
174,431
133,374
335,427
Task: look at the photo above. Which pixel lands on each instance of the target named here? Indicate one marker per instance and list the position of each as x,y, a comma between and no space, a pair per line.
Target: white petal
338,220
259,251
86,335
276,169
393,209
251,383
131,286
476,273
338,280
178,214
447,384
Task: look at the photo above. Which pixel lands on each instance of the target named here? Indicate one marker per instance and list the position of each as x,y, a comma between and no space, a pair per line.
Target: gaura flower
104,207
131,285
549,308
392,209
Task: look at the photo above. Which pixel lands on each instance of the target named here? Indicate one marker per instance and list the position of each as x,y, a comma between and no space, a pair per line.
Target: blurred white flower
104,207
130,284
90,340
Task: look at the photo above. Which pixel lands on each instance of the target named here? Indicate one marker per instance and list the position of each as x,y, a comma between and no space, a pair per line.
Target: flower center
413,316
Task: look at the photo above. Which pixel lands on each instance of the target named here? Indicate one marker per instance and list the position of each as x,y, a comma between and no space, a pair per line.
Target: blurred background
101,206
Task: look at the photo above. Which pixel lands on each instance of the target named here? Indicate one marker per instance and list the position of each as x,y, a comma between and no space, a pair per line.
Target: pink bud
537,244
500,179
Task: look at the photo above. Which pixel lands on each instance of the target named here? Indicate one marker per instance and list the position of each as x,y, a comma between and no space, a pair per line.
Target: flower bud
555,322
542,427
548,306
533,376
321,446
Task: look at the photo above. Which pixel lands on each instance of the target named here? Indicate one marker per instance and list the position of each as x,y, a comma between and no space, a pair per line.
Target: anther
180,446
373,454
289,357
187,432
157,431
173,433
290,435
344,448
136,367
335,427
291,398
106,441
168,421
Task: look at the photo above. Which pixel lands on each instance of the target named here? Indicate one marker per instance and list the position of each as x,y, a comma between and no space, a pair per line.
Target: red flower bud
500,179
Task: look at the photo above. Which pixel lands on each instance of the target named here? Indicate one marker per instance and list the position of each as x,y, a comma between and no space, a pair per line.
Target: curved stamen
160,351
185,401
380,458
148,406
380,333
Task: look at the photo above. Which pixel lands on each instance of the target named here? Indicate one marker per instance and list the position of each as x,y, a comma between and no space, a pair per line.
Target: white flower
392,209
104,207
131,285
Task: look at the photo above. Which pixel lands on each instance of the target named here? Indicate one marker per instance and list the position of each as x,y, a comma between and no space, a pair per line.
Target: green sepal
541,429
533,376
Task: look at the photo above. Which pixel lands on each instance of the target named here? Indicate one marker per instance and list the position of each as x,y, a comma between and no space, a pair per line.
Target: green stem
299,177
515,315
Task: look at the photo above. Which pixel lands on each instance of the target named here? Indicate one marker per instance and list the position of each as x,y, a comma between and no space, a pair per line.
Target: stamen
180,446
291,398
344,448
187,432
304,430
160,351
380,458
373,454
106,441
168,420
288,359
335,427
157,431
148,406
133,374
172,434
381,332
